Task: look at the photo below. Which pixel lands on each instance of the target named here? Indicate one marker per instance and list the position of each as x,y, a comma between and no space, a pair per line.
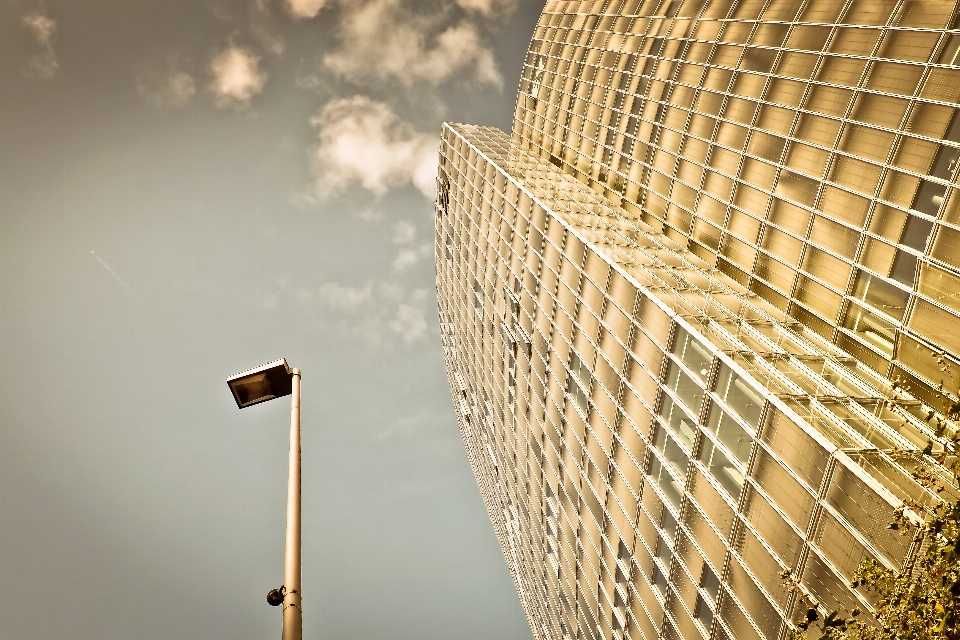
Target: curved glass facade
692,306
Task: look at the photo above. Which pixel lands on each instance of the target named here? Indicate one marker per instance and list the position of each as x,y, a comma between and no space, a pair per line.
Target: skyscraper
698,307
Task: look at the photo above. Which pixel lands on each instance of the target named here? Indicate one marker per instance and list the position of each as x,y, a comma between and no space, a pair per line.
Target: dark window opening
928,199
904,268
881,294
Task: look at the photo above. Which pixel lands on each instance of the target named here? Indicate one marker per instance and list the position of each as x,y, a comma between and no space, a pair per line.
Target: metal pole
292,612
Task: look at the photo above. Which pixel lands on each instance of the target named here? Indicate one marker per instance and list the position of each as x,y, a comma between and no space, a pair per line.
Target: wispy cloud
489,7
304,8
173,88
408,257
409,322
236,76
380,313
344,298
400,428
404,235
387,40
44,64
364,142
403,232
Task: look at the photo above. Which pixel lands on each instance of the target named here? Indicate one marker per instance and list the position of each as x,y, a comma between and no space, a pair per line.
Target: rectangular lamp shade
272,380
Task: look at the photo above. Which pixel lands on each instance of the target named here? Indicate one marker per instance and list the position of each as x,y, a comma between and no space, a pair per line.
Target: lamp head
272,380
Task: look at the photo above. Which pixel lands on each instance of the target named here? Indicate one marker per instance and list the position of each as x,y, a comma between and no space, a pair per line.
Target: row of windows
665,284
604,15
576,372
760,237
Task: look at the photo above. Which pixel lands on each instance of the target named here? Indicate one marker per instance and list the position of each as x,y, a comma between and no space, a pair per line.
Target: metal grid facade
672,303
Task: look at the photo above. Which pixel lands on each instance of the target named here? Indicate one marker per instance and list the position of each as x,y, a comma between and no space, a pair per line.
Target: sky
189,189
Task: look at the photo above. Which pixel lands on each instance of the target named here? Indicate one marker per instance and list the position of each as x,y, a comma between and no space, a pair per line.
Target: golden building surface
697,308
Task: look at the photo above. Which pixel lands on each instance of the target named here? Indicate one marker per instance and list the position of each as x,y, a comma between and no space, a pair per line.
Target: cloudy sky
190,188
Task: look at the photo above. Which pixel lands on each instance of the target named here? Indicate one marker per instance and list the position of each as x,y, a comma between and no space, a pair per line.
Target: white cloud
41,27
410,323
311,76
379,313
385,40
402,427
173,89
403,232
488,7
44,64
363,142
236,76
409,257
304,8
343,298
267,39
370,215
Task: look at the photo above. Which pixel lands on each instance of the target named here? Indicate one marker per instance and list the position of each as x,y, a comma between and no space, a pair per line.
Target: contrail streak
113,273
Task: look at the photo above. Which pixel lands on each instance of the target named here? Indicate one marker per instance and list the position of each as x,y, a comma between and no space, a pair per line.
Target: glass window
688,391
795,501
772,528
709,581
951,53
710,543
870,327
946,160
881,294
937,325
669,524
739,396
702,611
671,451
683,426
663,550
721,468
578,382
574,389
904,267
940,285
796,449
734,437
672,488
917,230
659,578
691,353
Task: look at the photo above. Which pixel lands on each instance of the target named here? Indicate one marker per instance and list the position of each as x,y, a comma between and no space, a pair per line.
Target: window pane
797,449
693,354
881,295
730,433
795,501
870,327
670,486
671,451
721,468
679,421
772,528
740,397
689,392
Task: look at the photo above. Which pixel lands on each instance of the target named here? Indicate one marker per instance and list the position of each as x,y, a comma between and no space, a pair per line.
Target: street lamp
276,380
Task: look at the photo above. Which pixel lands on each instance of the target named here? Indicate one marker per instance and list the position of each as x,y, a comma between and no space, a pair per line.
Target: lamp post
276,380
